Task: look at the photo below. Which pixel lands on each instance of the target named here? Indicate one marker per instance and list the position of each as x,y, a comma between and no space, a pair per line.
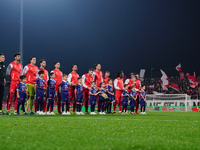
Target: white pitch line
91,118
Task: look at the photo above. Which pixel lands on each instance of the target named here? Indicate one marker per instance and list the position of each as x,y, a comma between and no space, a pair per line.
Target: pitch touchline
126,119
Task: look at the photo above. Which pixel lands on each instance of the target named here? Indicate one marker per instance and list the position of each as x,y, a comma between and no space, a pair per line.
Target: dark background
126,35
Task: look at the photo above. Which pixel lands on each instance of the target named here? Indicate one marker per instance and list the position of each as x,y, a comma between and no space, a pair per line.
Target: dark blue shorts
142,103
124,102
51,94
64,96
40,95
133,102
22,98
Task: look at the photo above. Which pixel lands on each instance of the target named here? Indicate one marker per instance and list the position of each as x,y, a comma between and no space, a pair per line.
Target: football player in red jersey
138,89
46,78
105,80
58,78
97,75
73,81
86,81
106,77
98,78
14,71
130,82
30,71
118,85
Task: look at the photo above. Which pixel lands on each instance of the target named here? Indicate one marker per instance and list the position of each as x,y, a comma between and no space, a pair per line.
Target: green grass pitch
156,130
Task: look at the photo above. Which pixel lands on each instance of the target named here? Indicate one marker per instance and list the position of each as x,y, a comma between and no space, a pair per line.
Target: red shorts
13,86
86,94
71,93
118,96
57,90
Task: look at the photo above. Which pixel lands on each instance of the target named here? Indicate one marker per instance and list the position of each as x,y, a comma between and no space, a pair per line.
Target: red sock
120,106
86,105
9,101
58,105
137,104
115,105
35,105
15,104
44,105
74,106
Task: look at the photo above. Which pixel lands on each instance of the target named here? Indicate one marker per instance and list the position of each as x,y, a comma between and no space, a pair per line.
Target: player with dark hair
138,89
39,90
125,95
72,80
110,95
46,78
118,85
87,80
58,78
64,95
106,77
93,97
143,100
98,78
21,94
51,84
79,96
2,80
133,97
30,71
102,98
13,71
130,82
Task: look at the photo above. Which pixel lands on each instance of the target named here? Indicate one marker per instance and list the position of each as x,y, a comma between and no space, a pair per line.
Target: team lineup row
32,82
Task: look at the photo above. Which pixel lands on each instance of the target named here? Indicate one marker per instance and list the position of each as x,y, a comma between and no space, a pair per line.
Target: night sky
126,35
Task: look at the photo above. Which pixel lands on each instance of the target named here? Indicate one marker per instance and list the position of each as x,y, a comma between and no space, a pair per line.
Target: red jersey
137,85
97,77
105,80
130,83
58,76
73,78
14,71
87,80
46,75
30,72
118,84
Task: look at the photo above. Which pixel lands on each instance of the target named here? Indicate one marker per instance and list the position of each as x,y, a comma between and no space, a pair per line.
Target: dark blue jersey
110,90
133,94
142,95
51,84
93,97
64,86
21,87
125,98
102,91
40,83
79,91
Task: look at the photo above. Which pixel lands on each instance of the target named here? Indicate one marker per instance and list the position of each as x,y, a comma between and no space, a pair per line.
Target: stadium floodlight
21,31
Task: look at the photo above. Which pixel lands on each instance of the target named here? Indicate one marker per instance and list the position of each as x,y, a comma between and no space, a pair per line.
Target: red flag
178,68
192,79
124,76
165,80
175,87
182,77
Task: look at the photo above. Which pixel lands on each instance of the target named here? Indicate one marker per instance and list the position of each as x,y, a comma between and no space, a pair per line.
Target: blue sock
52,105
63,106
79,107
18,107
67,106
